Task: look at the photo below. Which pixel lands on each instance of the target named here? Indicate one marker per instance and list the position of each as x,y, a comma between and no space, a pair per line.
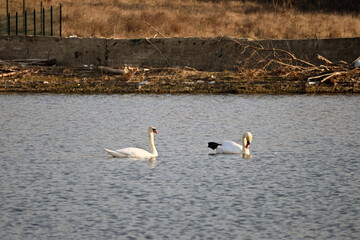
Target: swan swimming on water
132,152
230,147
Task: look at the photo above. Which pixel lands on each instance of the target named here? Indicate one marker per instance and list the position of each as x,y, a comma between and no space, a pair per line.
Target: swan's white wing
115,153
229,147
130,153
135,152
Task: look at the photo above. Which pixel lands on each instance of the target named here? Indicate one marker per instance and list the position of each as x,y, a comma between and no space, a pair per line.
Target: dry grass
188,18
61,79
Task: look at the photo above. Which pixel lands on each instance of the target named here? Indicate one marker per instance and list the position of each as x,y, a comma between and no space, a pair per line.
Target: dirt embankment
89,79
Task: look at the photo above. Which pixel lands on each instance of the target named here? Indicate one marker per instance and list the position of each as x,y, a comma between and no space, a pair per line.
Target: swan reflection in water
242,155
152,162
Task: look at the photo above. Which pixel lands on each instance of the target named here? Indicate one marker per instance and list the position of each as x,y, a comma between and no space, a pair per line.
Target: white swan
230,147
132,152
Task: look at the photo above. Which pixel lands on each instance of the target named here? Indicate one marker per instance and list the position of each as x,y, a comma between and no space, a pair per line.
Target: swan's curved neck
244,144
152,144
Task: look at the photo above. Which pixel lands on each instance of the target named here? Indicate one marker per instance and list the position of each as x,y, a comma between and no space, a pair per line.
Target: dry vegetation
273,71
42,76
187,18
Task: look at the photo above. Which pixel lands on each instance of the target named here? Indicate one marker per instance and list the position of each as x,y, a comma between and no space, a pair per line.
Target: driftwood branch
284,61
332,75
43,62
111,70
286,64
327,76
147,39
324,59
275,51
8,74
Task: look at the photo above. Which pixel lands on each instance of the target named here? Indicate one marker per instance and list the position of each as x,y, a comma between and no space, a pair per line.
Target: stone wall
215,54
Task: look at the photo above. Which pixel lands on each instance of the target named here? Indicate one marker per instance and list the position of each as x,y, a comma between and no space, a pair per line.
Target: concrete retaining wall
201,53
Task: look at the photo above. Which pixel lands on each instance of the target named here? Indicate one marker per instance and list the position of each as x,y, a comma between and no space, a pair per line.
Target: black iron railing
43,22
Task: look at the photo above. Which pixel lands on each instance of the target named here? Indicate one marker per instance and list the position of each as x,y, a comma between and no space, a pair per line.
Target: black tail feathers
213,145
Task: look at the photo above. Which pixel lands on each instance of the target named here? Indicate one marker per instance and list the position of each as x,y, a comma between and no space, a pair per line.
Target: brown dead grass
188,18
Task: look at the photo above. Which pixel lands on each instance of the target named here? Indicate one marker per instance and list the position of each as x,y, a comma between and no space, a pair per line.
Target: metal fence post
16,20
41,18
34,22
51,21
8,23
43,24
60,12
25,20
18,23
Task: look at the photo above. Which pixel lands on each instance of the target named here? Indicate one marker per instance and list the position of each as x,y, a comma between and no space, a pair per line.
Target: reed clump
189,18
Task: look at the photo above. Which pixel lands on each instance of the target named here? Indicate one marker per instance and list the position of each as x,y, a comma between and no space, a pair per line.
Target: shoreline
92,80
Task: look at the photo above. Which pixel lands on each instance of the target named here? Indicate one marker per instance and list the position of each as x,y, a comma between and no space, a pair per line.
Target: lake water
57,182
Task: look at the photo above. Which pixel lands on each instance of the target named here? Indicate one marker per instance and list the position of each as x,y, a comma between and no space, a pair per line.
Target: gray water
57,182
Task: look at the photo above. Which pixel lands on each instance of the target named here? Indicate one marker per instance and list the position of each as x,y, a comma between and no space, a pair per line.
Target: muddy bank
89,80
223,65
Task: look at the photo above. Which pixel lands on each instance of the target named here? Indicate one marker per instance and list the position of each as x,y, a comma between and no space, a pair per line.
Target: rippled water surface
57,182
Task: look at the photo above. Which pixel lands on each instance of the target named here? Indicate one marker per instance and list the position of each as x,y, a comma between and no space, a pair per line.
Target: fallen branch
158,51
319,76
327,76
154,29
111,70
254,54
44,62
286,64
260,48
190,68
13,73
332,75
324,59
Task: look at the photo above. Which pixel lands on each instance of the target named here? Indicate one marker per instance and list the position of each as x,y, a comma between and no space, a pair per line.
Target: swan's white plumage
132,152
230,147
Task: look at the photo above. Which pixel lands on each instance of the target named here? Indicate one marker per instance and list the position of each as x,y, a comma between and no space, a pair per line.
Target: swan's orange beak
155,131
247,144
